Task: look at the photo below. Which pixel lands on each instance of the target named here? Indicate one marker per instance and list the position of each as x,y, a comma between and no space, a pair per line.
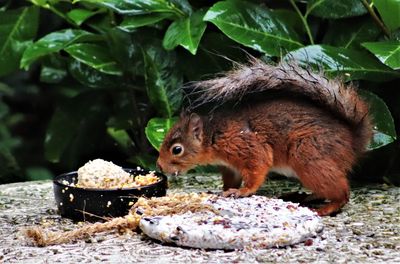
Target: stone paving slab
367,231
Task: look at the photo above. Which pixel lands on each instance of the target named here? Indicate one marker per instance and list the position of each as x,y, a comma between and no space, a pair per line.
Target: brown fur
319,139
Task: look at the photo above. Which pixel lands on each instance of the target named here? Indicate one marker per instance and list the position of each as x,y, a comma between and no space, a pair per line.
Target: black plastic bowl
87,204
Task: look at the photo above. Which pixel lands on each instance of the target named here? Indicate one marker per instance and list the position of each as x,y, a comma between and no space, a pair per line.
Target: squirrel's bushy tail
257,76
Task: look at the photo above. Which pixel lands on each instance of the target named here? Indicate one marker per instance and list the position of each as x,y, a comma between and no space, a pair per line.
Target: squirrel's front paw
242,192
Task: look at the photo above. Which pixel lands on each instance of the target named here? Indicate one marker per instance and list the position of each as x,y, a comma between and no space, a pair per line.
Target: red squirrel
316,132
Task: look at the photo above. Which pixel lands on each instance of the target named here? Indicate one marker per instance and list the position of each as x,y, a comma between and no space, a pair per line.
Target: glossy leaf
130,23
126,50
388,52
91,77
350,34
384,130
54,42
390,12
44,3
290,18
79,15
186,32
157,129
17,30
334,9
163,80
53,70
96,56
253,26
351,64
139,7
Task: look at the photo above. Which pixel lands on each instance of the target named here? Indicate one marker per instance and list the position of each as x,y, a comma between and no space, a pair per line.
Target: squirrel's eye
177,149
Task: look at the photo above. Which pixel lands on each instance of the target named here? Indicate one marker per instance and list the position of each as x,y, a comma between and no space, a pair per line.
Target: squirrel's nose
158,165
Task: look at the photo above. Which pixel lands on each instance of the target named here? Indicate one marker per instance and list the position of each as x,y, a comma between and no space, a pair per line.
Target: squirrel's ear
196,126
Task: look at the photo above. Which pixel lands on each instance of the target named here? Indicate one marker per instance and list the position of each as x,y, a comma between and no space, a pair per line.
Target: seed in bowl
103,174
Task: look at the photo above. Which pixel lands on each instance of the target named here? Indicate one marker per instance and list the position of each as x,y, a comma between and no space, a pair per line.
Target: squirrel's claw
236,193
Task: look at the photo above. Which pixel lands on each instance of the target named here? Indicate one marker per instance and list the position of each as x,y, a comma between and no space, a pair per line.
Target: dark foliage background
101,78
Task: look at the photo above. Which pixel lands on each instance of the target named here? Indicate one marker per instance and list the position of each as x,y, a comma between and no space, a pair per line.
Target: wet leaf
334,9
350,34
186,32
126,51
389,11
54,42
384,130
157,129
96,56
140,7
163,80
17,30
388,52
253,26
53,70
130,23
351,64
79,15
91,77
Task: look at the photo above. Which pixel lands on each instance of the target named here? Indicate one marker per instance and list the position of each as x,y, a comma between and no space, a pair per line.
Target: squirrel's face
182,147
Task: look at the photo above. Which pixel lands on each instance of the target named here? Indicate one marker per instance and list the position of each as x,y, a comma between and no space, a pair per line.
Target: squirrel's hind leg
326,180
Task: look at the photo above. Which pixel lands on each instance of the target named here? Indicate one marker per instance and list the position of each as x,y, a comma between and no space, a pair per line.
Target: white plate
256,221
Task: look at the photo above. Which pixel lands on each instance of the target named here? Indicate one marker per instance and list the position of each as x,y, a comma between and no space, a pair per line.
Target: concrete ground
366,231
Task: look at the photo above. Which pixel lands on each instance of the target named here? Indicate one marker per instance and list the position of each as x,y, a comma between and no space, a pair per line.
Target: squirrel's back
258,77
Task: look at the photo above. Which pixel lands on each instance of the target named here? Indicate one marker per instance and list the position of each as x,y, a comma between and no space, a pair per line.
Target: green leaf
79,15
53,70
91,77
353,64
130,23
163,80
157,129
54,42
126,50
101,24
140,7
290,18
44,3
253,26
384,130
17,30
122,138
390,12
351,33
334,9
76,125
186,32
388,52
96,56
